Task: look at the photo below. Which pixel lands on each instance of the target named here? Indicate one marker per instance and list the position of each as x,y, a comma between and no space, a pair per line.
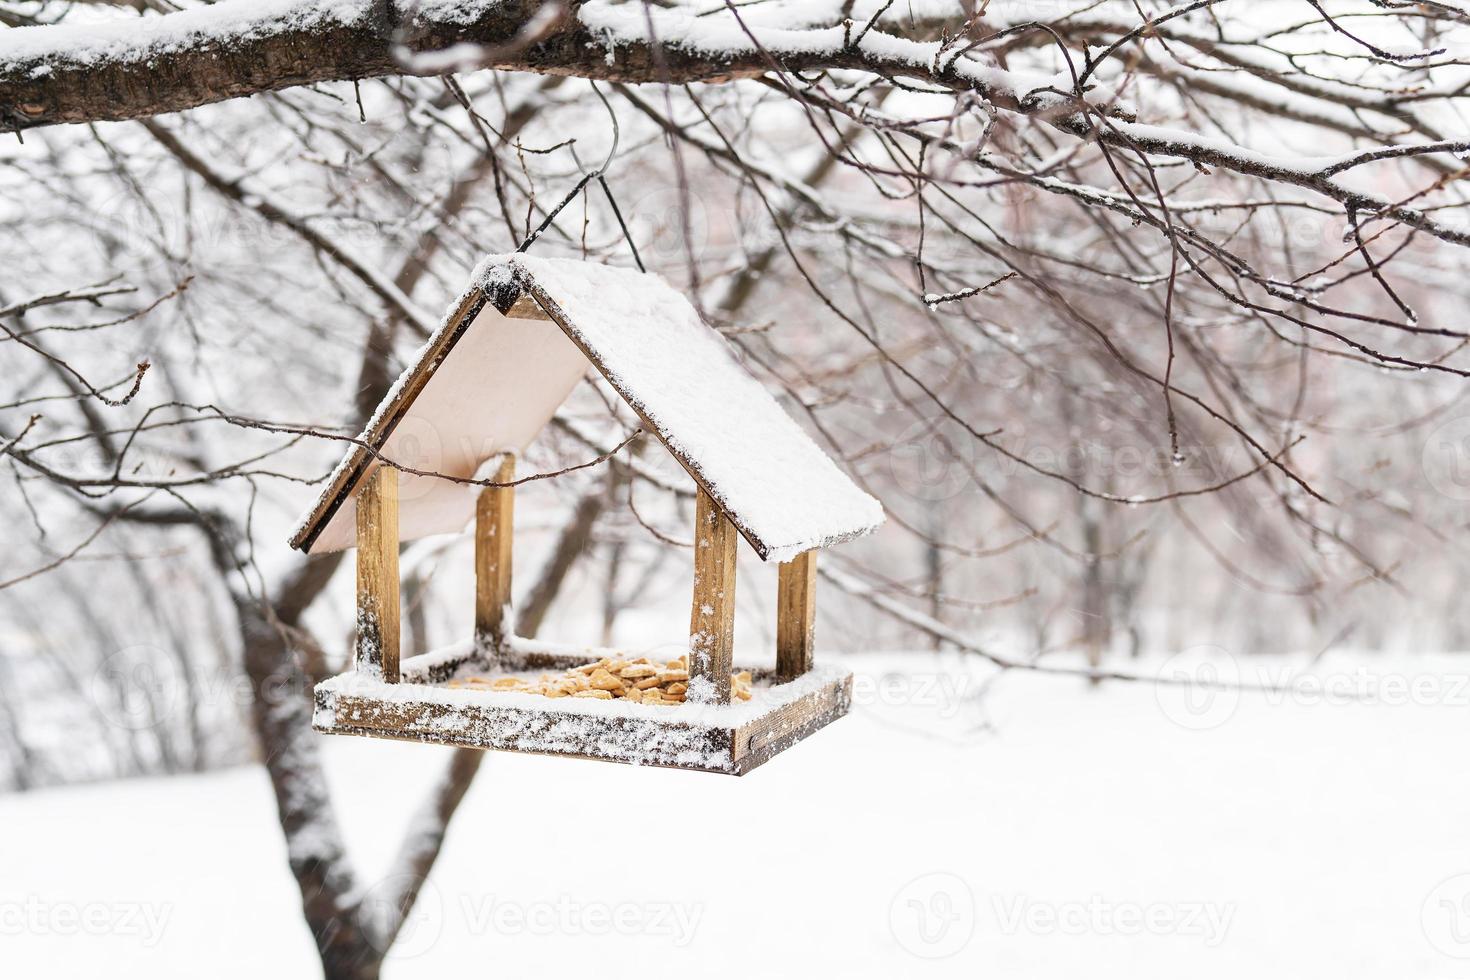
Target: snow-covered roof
487,383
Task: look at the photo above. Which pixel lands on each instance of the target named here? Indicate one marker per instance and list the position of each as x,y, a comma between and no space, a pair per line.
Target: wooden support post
494,533
377,575
796,614
712,623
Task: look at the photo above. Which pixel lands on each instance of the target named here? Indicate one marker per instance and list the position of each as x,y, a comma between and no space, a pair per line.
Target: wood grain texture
730,749
712,618
494,535
526,308
377,575
386,420
781,728
796,615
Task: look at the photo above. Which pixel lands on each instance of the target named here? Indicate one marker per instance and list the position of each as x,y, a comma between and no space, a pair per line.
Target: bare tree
1098,297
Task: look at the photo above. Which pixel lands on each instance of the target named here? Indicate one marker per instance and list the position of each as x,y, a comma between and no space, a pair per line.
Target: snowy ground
1046,831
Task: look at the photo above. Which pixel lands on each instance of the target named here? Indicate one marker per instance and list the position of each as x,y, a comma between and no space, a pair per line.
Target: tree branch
152,65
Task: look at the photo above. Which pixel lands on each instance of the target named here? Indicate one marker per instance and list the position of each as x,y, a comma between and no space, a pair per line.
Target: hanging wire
599,175
627,236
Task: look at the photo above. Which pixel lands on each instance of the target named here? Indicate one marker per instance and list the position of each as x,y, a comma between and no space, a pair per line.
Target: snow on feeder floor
616,675
451,697
507,354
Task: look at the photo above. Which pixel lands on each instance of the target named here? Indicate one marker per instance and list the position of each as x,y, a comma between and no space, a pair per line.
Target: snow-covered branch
146,66
150,65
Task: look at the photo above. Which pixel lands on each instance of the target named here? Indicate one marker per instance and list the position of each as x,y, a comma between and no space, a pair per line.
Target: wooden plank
681,456
778,730
415,670
494,534
791,715
652,741
712,619
436,668
657,739
377,575
796,615
526,308
387,418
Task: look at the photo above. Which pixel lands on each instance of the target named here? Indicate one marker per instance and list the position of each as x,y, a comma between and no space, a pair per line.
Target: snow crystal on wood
732,738
487,386
782,492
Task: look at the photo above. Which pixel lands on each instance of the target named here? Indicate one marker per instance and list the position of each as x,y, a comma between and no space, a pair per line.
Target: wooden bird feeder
507,355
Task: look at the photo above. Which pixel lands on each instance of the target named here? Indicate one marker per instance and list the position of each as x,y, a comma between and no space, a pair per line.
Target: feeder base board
731,739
